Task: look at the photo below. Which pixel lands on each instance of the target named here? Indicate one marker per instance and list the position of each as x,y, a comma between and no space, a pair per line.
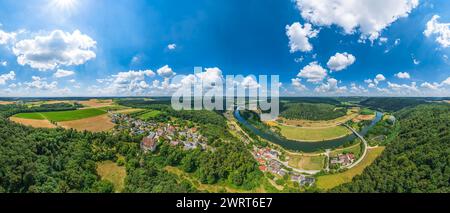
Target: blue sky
106,48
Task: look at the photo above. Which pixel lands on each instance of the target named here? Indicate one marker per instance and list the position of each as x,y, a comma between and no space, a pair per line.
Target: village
155,133
268,160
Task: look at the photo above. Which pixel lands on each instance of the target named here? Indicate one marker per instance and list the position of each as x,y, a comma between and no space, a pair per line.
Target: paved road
366,146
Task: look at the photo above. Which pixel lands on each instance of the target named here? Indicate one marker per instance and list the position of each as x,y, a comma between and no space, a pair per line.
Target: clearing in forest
113,173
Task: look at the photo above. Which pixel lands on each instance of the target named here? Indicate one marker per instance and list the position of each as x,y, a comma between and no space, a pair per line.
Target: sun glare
64,4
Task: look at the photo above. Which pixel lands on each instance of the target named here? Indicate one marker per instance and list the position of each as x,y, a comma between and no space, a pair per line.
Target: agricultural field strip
321,124
61,116
314,135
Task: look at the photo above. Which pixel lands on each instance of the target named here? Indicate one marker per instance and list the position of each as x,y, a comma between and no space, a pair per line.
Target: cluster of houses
269,162
133,125
175,135
342,159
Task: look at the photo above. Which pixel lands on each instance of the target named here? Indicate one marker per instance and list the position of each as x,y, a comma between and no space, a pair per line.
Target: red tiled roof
148,142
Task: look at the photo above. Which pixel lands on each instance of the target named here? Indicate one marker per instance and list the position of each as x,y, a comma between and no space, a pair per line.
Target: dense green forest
417,160
58,160
391,104
313,112
311,100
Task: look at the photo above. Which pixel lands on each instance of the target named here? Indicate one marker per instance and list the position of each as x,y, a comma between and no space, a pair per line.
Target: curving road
366,146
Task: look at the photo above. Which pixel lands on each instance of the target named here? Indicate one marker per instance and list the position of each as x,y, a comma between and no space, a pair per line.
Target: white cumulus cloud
430,86
60,73
440,30
340,61
172,46
297,84
313,72
446,82
250,82
403,88
132,82
299,37
58,48
403,75
369,17
41,84
331,86
6,37
379,78
165,72
7,77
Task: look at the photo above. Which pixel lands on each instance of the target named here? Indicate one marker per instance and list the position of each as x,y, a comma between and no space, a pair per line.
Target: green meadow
62,115
313,134
149,115
33,116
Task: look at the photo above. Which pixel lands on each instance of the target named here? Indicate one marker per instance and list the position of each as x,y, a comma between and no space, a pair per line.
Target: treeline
311,100
391,104
144,102
313,112
12,109
418,160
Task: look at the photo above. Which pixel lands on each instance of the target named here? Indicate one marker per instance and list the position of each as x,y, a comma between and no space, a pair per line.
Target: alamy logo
211,91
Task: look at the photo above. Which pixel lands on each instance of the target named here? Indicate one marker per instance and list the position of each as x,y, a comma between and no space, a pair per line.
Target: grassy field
150,114
63,115
113,108
366,111
313,134
307,162
330,181
128,111
355,149
110,171
32,116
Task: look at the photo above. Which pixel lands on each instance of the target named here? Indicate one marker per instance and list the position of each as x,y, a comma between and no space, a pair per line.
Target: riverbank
302,146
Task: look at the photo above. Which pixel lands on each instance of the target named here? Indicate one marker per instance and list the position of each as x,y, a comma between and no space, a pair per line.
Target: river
306,146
